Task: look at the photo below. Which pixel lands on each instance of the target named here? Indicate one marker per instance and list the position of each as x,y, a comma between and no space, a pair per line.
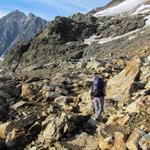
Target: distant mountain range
16,26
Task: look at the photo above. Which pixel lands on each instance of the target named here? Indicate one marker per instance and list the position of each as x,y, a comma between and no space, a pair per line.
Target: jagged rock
134,138
120,87
83,141
28,91
16,137
7,127
55,128
119,143
145,142
123,120
105,143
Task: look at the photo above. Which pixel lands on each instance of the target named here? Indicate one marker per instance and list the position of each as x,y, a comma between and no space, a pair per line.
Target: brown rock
119,143
83,141
56,127
121,62
123,120
86,103
7,127
133,140
105,143
28,91
119,87
16,137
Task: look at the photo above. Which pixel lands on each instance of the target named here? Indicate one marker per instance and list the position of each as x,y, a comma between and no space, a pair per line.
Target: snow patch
97,39
117,37
91,39
124,7
142,9
147,23
131,37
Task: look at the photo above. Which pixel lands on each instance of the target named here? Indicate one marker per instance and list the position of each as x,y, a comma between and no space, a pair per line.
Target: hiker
97,96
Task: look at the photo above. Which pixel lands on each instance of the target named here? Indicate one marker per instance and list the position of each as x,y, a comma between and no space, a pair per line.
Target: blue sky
48,9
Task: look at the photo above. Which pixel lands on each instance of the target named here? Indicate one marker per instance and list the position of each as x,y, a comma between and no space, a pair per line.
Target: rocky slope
52,110
18,27
45,85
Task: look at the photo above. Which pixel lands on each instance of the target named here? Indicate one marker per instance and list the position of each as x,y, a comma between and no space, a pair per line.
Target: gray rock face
117,26
18,27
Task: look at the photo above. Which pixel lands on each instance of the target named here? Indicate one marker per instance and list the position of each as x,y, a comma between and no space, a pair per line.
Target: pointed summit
20,27
17,13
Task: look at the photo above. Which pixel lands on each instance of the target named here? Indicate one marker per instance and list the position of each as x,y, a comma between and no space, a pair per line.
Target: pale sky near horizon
48,9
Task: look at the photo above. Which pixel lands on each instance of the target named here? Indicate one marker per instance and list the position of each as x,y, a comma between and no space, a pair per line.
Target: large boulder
83,141
134,138
119,143
56,127
121,86
7,127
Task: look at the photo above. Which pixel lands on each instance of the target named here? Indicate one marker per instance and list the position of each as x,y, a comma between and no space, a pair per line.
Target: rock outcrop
121,86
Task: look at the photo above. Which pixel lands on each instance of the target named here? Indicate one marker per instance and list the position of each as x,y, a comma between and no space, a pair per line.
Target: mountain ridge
15,26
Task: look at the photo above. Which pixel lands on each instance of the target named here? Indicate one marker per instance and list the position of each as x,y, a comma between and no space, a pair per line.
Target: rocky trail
50,109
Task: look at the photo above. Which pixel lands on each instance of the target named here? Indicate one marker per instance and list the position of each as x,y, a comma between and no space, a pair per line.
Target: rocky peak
13,16
13,27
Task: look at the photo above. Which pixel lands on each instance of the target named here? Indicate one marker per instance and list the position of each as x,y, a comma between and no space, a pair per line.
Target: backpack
97,87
